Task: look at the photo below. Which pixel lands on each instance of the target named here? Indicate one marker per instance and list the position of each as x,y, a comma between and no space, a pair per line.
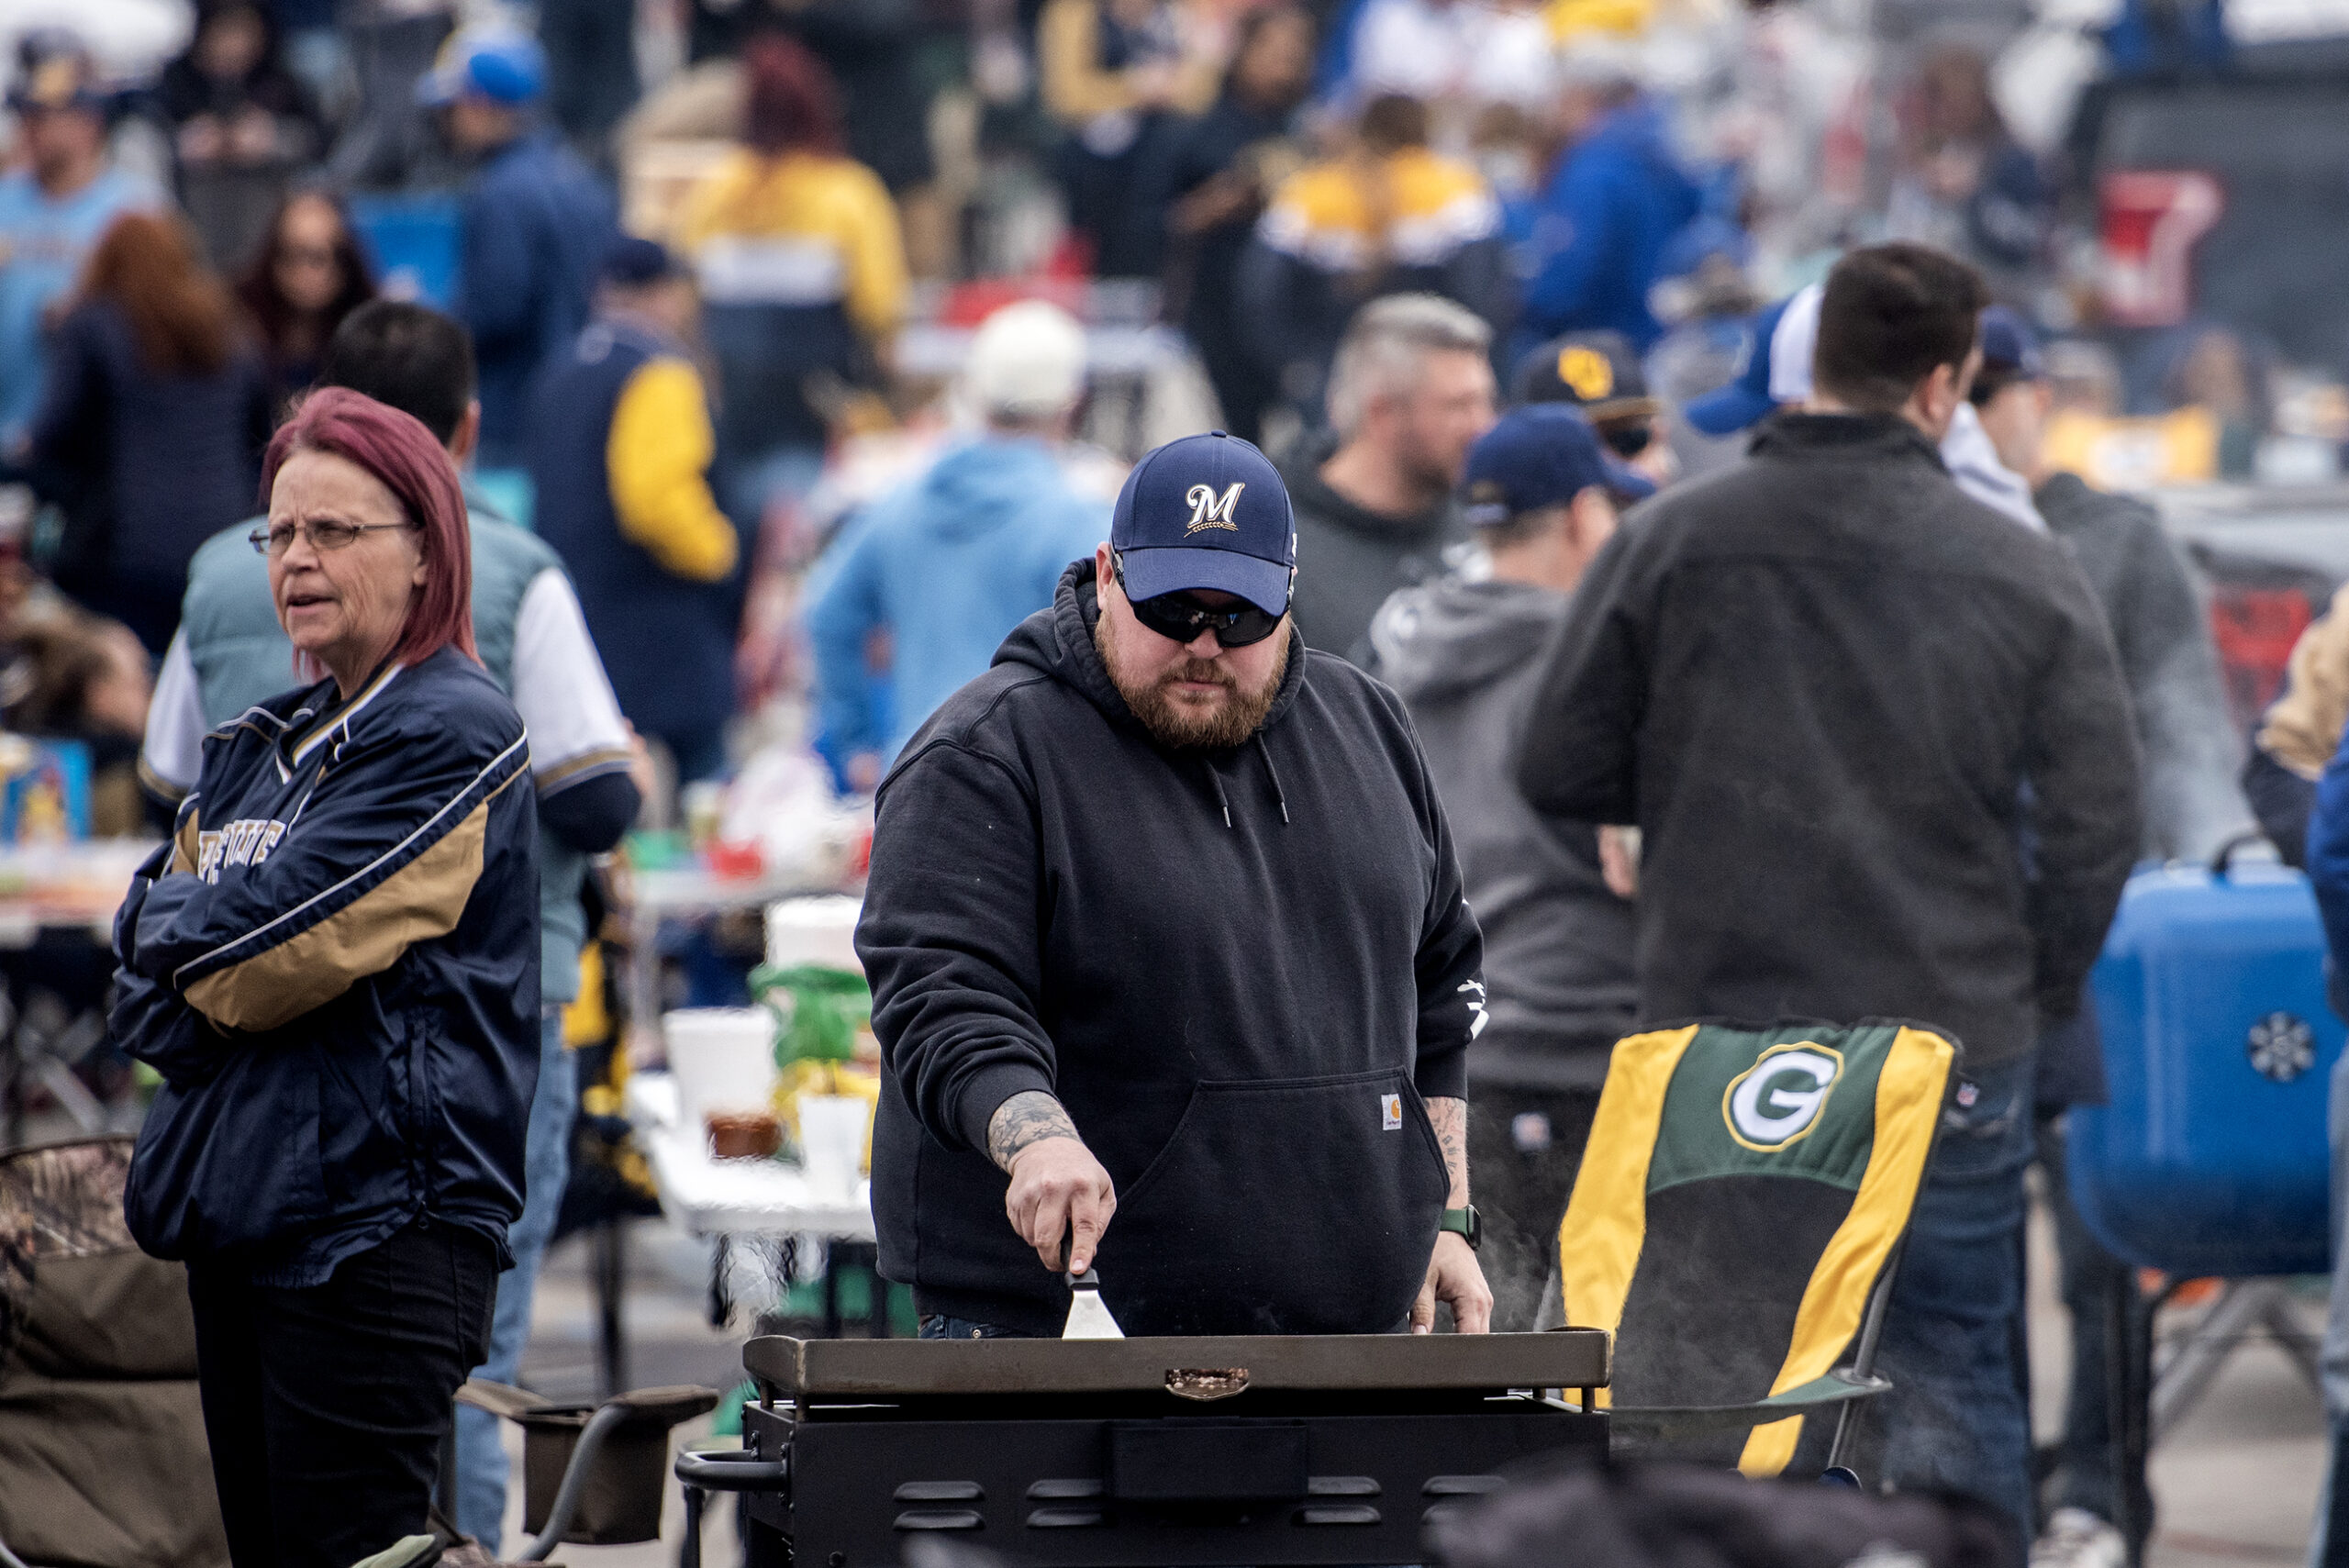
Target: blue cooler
2210,1158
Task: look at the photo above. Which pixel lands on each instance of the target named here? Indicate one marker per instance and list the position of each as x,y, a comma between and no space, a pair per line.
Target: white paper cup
831,1145
723,1059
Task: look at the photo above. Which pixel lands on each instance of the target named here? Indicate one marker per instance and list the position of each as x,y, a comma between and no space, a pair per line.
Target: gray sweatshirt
1465,658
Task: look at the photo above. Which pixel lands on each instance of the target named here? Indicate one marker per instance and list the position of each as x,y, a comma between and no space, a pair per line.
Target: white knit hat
1027,362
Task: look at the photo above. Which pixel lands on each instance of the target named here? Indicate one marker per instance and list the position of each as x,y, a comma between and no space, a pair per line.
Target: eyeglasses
1181,618
323,534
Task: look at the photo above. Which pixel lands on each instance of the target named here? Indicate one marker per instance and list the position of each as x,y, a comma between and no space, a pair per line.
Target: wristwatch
1466,1223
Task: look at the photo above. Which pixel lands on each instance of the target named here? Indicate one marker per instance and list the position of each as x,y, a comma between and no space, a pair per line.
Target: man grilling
1170,964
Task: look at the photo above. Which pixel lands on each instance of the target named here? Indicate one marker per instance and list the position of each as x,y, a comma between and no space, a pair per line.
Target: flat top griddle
883,1369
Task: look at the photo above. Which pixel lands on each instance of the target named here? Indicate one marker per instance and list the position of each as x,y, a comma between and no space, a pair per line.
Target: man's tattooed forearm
1450,1119
1026,1118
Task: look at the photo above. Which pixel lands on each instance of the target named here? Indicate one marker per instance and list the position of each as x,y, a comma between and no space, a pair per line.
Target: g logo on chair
1780,1099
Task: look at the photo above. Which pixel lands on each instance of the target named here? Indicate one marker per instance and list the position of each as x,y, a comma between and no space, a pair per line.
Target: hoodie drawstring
1272,773
1223,803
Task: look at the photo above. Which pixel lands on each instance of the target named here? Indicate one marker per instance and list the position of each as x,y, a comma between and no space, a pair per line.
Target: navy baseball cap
1543,454
2009,345
1745,401
633,261
1596,372
1206,512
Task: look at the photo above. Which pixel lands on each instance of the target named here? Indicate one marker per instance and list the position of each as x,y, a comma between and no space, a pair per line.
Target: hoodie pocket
1288,1206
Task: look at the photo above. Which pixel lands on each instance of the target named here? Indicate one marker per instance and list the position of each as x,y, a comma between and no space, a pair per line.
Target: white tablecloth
711,1197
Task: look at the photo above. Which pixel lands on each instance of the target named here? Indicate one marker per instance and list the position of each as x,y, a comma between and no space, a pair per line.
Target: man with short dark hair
1540,495
230,652
1837,696
1170,964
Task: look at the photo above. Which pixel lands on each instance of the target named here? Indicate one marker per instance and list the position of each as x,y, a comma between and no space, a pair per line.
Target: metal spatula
1089,1315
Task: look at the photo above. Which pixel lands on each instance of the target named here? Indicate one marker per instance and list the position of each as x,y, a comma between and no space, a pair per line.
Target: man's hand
1618,860
1058,1188
1454,1278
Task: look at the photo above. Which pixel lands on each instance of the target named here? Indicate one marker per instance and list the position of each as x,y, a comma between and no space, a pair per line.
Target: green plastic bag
829,1007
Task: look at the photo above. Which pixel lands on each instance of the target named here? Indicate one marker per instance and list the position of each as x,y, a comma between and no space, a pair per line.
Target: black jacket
1350,558
1240,971
145,466
1819,682
1467,658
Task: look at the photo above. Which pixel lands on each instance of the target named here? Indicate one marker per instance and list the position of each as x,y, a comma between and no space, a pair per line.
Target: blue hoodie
1618,198
951,563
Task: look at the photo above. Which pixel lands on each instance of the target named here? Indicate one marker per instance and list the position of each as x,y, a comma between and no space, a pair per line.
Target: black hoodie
1241,972
1820,683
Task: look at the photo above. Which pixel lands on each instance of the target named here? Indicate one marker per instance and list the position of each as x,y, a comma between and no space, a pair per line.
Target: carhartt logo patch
1778,1100
1390,1112
1210,510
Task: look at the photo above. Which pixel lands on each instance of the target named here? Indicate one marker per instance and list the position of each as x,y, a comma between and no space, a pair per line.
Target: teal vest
243,656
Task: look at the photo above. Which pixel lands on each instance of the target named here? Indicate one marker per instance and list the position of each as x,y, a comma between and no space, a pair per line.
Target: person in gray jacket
2193,805
1539,494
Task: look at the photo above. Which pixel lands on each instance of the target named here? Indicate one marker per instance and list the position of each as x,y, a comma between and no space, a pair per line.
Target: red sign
2151,219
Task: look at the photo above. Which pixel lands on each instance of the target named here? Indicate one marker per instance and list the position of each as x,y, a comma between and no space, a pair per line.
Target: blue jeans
935,1326
1954,1419
545,1165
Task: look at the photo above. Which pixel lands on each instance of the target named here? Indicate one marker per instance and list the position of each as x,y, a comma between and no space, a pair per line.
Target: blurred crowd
793,349
196,194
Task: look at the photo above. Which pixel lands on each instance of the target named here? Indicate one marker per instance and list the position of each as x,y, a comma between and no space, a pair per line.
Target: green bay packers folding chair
1735,1223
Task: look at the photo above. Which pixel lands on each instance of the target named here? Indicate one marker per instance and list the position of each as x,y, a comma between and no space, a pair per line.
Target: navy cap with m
1206,512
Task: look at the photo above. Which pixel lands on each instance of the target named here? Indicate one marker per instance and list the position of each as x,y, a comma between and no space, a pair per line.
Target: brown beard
1180,728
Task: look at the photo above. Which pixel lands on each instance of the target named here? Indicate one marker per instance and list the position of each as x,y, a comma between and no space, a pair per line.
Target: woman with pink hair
334,966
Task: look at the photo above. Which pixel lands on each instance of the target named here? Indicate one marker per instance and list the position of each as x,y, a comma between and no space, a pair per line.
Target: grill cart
1105,1454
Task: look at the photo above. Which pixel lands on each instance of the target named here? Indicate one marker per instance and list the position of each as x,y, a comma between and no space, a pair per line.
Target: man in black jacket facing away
1164,924
1839,698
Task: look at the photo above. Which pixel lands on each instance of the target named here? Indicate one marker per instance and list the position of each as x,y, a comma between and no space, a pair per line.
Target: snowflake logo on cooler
2282,1047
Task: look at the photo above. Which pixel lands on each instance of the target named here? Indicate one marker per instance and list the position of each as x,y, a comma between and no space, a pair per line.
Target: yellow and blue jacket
620,451
802,274
1345,231
334,966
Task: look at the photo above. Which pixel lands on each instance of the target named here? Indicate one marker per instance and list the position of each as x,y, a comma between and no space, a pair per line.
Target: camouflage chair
103,1457
1735,1223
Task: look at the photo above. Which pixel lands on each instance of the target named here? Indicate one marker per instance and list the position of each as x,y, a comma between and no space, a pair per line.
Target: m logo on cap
1778,1099
1209,512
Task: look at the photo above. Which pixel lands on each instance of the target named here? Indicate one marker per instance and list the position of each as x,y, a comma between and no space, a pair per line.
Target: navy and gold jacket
335,967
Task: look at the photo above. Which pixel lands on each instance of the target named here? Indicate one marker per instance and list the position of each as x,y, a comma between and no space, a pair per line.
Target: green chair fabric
1743,1194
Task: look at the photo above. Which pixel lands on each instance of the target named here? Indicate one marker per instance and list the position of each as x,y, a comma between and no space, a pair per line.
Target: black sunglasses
1181,618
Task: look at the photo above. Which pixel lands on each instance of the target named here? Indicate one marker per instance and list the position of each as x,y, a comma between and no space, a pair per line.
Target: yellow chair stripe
1908,1101
1607,1216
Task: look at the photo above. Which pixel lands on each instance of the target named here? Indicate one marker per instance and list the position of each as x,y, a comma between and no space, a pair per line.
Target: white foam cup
831,1144
723,1059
